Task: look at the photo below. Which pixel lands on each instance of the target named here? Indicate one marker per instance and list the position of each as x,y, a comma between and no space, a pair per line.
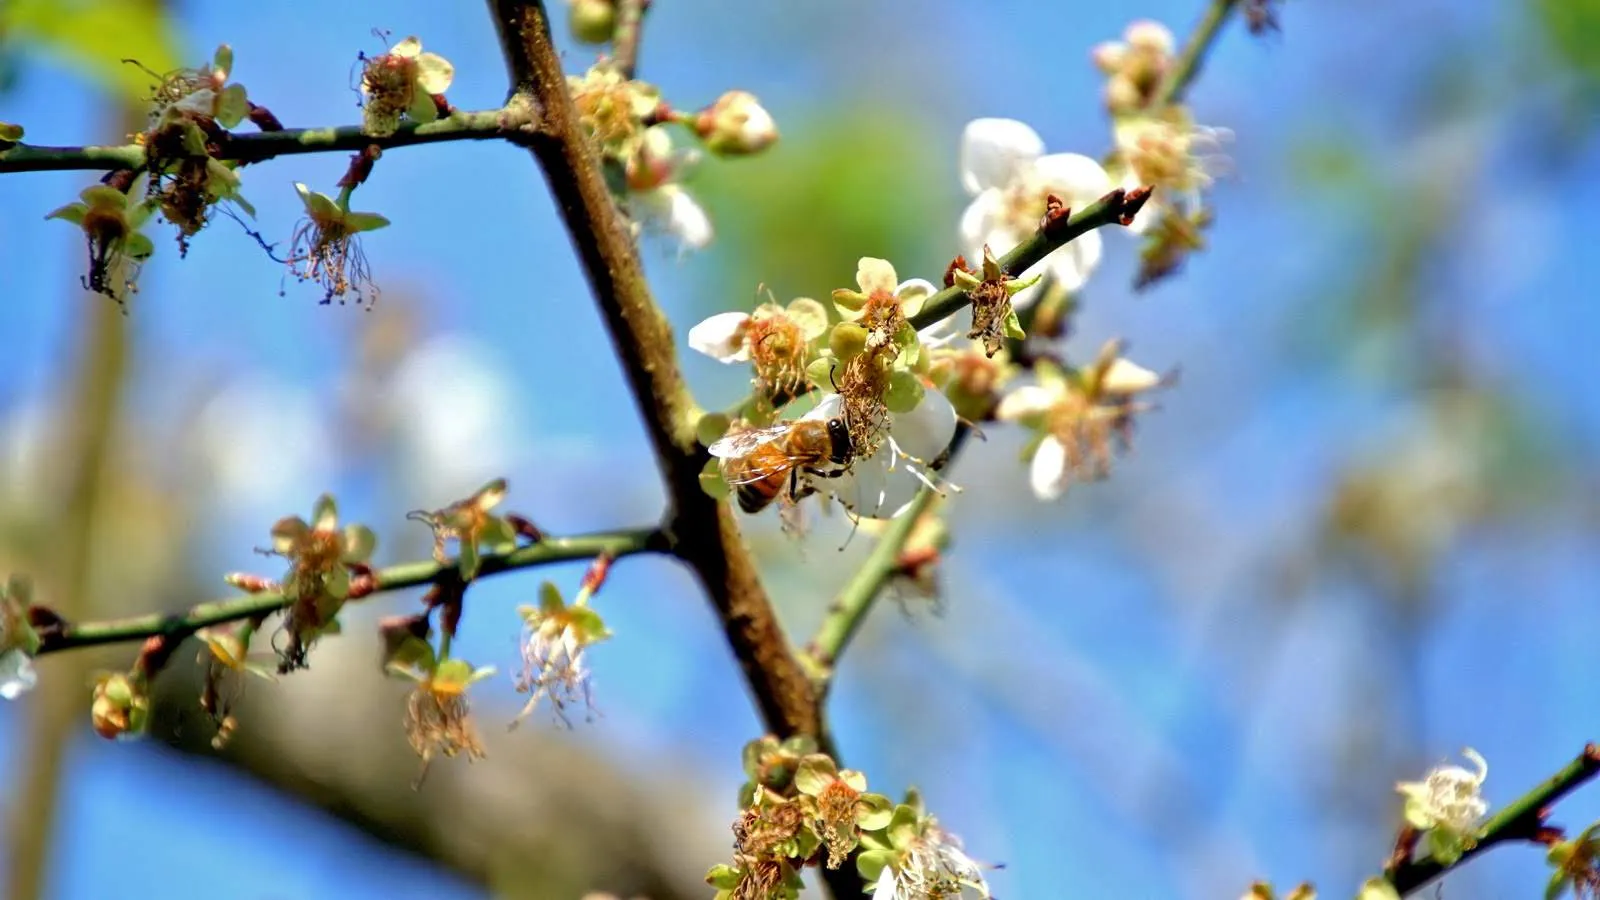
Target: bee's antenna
835,381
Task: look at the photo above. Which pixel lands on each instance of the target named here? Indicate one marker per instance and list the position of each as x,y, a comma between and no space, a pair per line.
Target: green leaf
357,222
875,812
10,133
550,602
233,106
497,534
590,626
413,653
1014,326
469,560
903,828
138,246
871,863
72,212
723,877
1559,880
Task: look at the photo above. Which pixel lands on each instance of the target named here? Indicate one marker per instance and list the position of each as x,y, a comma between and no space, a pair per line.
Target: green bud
593,21
904,393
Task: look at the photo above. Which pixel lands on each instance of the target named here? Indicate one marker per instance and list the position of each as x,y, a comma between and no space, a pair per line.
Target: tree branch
1116,207
1193,55
1518,821
700,531
394,578
630,22
513,123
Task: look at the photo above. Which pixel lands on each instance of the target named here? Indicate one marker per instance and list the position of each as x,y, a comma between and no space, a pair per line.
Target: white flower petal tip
17,675
993,150
1049,474
722,337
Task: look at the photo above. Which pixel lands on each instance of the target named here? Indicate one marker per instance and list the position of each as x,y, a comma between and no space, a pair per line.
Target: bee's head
839,437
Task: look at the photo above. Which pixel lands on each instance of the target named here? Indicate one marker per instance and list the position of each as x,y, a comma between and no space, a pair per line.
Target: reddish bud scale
363,581
525,528
153,655
595,577
1055,209
122,180
912,562
262,118
959,264
1132,202
361,163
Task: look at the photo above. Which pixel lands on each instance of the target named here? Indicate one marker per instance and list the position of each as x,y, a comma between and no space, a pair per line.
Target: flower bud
120,709
593,21
1151,37
736,125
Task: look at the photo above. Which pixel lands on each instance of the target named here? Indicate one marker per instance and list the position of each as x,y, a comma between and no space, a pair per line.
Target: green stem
1110,209
1518,820
393,578
850,608
1193,56
630,19
513,123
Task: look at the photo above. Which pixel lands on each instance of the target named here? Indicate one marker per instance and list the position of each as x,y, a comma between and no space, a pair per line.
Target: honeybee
760,462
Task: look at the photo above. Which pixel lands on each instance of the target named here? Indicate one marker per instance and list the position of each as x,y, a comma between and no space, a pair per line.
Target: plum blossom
1448,804
402,82
657,199
1078,415
1005,169
777,340
1166,151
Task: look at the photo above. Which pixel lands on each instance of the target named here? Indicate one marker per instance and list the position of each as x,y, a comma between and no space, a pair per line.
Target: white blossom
1448,797
17,676
1005,169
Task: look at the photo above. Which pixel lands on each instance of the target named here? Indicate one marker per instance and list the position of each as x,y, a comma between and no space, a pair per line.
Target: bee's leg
826,473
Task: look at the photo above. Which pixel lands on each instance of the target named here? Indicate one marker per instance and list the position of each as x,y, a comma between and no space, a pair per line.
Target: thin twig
849,609
1194,52
392,578
630,22
1114,208
511,123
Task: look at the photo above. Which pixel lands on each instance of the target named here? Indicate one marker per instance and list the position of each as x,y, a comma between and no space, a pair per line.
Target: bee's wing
741,443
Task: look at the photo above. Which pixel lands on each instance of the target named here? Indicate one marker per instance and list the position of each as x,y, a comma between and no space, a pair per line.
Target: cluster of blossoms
797,808
1447,805
633,127
873,368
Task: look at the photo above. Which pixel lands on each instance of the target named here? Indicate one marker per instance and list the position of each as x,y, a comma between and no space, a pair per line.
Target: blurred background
1357,537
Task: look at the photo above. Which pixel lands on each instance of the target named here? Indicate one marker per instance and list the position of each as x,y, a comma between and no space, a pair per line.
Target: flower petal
434,73
1047,475
1075,178
993,151
978,221
407,48
687,221
722,337
1026,401
873,274
422,109
17,676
